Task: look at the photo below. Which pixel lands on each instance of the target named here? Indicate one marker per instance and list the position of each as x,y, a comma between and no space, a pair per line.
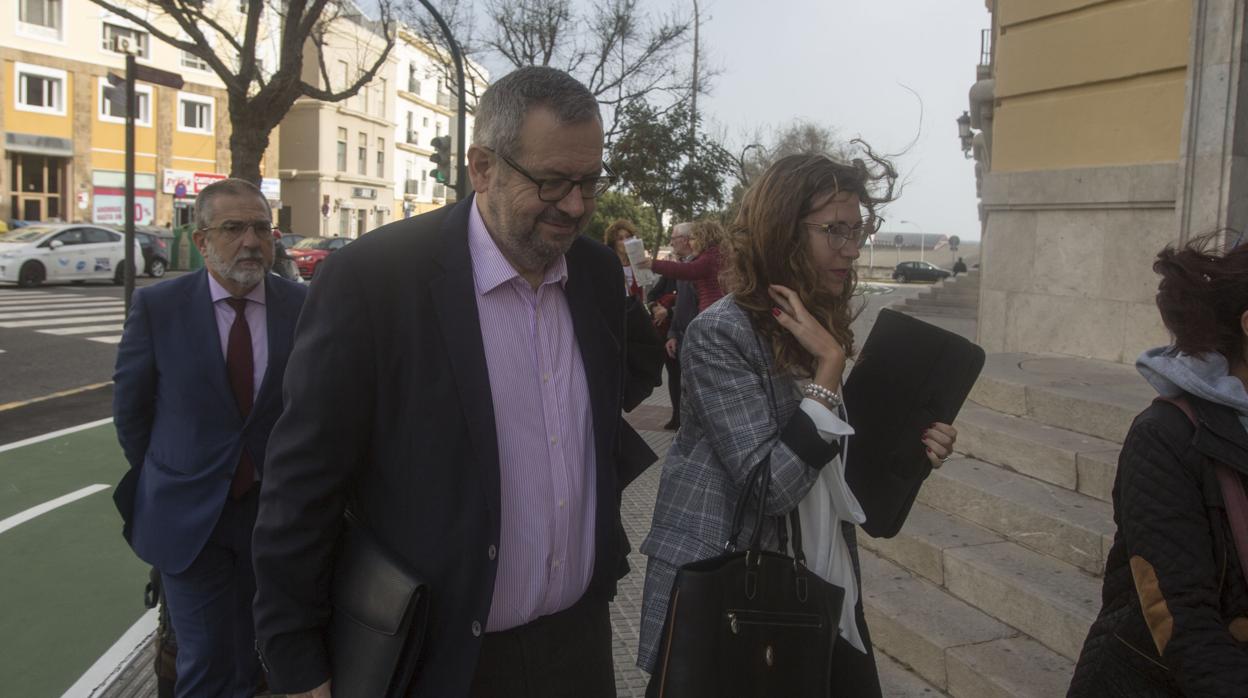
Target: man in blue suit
198,387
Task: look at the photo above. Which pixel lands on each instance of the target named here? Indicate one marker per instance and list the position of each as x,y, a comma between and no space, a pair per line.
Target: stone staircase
990,588
956,297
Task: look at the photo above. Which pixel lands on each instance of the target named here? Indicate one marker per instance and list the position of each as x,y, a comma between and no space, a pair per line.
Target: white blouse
821,512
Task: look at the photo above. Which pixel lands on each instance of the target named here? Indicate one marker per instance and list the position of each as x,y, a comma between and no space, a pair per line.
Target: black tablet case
907,375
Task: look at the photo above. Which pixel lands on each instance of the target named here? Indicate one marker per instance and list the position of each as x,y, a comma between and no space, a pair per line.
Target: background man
457,381
198,388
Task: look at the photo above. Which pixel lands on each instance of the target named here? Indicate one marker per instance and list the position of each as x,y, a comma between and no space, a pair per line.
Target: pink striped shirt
545,436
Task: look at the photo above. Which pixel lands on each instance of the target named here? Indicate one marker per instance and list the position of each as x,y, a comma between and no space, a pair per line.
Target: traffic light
442,158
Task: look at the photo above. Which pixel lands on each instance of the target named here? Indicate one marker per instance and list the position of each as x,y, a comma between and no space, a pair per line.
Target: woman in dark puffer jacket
1174,620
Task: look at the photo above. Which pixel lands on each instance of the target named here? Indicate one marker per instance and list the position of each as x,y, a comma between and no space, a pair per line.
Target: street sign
180,190
156,76
899,240
954,241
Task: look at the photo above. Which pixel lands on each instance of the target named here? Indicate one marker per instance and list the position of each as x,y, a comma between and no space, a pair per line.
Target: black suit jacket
389,409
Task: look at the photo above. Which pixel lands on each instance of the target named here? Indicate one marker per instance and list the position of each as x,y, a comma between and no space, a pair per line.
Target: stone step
1013,667
971,313
916,622
944,302
896,681
921,544
1048,600
1049,519
1091,397
1059,456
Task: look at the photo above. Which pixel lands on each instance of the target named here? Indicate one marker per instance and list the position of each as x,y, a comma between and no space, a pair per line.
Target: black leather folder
380,610
907,375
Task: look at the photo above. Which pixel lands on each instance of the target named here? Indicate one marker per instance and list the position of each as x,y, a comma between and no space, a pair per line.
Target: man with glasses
197,389
457,384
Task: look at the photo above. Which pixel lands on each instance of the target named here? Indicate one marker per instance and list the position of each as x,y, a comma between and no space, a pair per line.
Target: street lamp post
922,235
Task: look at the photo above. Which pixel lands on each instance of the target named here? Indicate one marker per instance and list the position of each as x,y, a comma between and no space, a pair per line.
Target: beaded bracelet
818,392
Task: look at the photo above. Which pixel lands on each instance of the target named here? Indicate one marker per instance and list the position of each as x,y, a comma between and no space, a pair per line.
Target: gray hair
224,187
502,108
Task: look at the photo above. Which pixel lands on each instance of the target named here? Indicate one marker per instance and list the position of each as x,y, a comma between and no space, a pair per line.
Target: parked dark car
157,246
919,271
309,252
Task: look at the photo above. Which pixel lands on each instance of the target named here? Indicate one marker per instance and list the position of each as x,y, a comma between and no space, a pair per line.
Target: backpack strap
1232,486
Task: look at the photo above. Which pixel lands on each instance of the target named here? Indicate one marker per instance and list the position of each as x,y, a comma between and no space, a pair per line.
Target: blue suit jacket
176,417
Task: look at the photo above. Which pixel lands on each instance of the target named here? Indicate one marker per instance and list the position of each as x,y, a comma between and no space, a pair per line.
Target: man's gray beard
526,247
225,268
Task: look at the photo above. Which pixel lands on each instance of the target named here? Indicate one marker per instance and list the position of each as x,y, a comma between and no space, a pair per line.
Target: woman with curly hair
704,269
781,337
614,237
1174,614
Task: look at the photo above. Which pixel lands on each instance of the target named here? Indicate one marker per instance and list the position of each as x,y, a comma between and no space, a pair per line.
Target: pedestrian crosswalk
76,315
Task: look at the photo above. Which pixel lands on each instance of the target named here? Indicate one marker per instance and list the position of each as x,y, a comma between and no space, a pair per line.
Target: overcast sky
843,64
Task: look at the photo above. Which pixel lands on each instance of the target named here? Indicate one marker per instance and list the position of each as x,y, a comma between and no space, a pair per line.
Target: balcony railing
413,86
412,138
444,99
411,186
985,47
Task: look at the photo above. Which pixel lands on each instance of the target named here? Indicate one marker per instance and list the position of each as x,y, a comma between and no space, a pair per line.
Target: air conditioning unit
123,44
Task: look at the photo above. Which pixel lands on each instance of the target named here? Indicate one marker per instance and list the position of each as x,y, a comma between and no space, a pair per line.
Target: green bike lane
70,587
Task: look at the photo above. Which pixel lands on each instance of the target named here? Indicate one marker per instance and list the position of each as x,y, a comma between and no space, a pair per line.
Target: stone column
1213,156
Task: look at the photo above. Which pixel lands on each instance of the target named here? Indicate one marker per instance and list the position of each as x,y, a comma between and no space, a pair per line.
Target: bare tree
459,18
258,100
619,55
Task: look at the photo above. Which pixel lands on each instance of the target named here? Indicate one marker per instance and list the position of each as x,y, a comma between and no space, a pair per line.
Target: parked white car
63,252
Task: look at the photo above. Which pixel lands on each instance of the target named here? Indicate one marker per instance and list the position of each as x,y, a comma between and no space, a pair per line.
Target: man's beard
524,245
230,269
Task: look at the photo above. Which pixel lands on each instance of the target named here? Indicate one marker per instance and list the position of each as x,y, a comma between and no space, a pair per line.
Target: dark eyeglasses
839,232
554,190
236,229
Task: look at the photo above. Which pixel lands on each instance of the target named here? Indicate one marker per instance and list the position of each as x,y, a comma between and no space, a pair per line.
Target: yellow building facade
1100,130
64,144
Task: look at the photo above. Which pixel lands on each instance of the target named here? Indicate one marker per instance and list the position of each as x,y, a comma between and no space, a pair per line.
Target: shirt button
476,629
553,441
556,564
493,552
561,502
545,377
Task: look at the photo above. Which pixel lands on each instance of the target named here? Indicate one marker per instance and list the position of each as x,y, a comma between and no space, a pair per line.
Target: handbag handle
738,516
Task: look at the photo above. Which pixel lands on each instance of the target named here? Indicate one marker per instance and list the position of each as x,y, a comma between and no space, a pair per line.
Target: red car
309,252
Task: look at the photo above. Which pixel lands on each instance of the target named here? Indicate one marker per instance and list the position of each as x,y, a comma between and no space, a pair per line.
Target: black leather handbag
380,611
753,622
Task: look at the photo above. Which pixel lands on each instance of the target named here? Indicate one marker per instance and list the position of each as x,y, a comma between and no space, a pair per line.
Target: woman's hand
660,314
939,439
828,353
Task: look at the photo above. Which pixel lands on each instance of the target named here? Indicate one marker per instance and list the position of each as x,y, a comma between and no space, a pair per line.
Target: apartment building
64,145
425,109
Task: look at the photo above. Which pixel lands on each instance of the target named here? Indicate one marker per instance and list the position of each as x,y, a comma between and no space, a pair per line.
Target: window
40,89
95,236
363,154
345,70
242,7
381,157
413,82
190,60
195,113
72,236
114,113
342,150
40,18
344,221
114,33
425,121
381,97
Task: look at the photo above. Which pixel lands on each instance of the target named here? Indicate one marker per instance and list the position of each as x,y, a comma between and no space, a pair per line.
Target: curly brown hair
1202,294
706,234
613,232
768,245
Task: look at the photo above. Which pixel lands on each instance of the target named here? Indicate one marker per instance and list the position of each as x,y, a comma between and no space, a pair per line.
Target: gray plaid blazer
728,425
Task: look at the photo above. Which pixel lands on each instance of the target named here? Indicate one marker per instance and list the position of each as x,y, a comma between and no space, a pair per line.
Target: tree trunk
249,138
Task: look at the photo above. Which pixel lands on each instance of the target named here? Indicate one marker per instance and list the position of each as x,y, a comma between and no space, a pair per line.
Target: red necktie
241,369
